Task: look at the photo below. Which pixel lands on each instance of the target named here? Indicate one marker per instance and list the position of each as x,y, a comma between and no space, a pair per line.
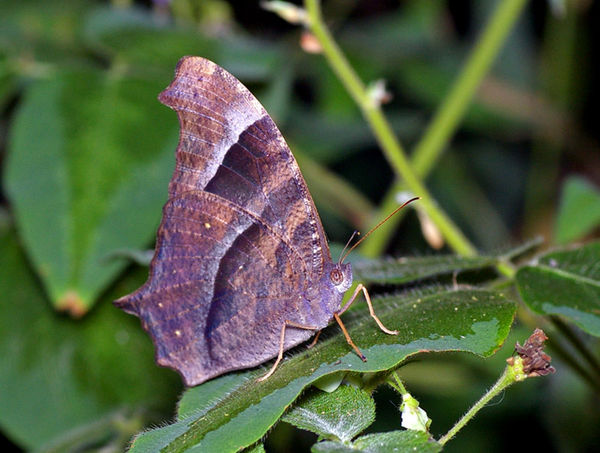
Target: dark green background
87,150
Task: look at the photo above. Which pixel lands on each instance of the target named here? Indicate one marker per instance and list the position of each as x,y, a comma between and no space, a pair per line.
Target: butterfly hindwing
201,288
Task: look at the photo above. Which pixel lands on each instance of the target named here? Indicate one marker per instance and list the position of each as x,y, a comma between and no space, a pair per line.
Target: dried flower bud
309,43
535,361
430,231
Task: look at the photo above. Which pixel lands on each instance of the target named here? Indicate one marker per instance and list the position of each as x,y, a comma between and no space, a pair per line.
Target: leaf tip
72,303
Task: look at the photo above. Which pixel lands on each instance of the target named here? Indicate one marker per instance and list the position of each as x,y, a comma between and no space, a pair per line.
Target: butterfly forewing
238,153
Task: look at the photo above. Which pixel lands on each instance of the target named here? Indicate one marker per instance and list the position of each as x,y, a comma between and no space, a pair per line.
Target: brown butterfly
242,269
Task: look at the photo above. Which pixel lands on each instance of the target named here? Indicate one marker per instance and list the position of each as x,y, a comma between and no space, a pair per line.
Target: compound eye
336,276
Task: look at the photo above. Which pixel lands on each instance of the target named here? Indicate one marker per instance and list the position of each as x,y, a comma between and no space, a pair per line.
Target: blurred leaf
40,30
480,185
333,194
339,415
516,60
579,211
94,183
242,410
61,378
250,59
414,29
429,80
276,97
137,37
397,441
332,139
427,57
565,283
7,81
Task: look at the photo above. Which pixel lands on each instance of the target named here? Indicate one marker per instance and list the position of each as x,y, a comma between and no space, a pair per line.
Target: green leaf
206,396
65,381
332,447
565,283
245,409
404,270
340,415
339,138
396,441
95,183
579,211
260,448
408,269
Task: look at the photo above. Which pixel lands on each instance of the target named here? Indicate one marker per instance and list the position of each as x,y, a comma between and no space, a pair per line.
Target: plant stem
452,110
382,130
398,385
507,378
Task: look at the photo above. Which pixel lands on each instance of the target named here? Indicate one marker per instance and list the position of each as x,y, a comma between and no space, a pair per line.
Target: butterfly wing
203,303
240,243
230,146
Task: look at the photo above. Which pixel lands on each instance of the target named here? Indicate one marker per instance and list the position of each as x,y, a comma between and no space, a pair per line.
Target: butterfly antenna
346,246
375,227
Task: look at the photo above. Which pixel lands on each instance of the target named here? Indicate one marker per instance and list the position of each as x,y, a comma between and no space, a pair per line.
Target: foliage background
83,140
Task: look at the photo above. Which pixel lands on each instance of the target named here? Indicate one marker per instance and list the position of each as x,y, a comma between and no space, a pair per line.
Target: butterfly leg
282,344
348,339
314,342
362,288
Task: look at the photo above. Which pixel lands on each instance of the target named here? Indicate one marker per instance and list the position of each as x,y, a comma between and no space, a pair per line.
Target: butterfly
242,270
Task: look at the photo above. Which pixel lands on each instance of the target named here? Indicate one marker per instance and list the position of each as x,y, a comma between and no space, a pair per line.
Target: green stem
507,378
452,110
506,268
382,130
398,385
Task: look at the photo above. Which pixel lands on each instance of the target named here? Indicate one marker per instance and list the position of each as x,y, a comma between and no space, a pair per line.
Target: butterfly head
340,276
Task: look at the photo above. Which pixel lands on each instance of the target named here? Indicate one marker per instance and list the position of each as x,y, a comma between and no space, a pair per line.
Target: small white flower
413,417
